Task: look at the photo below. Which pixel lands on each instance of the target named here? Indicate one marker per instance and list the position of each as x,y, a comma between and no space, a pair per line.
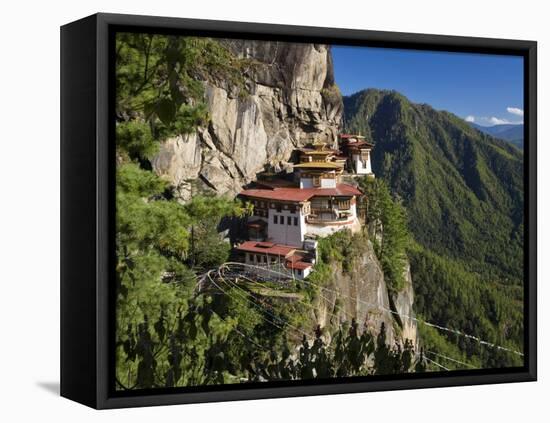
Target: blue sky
485,89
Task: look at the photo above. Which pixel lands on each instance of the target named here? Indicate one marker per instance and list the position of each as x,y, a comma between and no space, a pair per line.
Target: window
344,204
250,257
278,207
295,221
288,220
316,181
275,219
292,208
319,203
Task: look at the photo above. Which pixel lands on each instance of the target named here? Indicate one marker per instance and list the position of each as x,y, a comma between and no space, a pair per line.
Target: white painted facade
351,223
302,273
287,228
362,167
284,227
321,230
323,183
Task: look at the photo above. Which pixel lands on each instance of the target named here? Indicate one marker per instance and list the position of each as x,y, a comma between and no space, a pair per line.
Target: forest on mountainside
463,194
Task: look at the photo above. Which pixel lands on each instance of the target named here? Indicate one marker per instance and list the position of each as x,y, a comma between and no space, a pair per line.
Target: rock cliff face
359,294
403,304
362,294
290,101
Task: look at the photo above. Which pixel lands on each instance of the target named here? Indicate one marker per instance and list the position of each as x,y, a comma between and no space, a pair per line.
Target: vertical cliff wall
403,302
289,100
361,293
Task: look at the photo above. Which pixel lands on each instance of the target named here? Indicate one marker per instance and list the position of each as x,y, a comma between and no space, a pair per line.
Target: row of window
261,258
278,206
325,204
280,220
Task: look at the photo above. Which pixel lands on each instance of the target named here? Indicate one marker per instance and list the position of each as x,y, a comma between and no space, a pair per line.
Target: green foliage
145,221
165,337
160,87
463,191
390,235
331,94
396,360
206,211
448,294
343,247
135,138
350,352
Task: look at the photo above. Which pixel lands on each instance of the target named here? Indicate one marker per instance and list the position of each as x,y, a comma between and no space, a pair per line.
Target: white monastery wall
286,232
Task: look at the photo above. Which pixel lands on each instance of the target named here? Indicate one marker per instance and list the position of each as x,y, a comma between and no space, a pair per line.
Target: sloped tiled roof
266,248
301,194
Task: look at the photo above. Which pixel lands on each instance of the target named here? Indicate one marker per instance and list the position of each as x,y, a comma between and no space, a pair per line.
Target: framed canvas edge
427,41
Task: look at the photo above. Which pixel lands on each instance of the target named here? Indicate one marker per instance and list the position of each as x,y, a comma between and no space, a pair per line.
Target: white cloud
515,111
496,121
491,120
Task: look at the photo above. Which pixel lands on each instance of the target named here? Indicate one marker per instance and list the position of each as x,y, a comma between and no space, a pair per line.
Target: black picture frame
87,208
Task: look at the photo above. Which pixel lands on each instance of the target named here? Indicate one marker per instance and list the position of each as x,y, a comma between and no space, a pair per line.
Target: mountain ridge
478,179
463,192
513,133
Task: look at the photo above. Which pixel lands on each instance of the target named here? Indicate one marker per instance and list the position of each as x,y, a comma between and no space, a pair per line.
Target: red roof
301,265
293,260
282,194
301,194
266,248
295,257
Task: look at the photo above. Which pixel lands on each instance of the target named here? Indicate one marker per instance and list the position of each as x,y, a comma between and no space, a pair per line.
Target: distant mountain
463,189
512,133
